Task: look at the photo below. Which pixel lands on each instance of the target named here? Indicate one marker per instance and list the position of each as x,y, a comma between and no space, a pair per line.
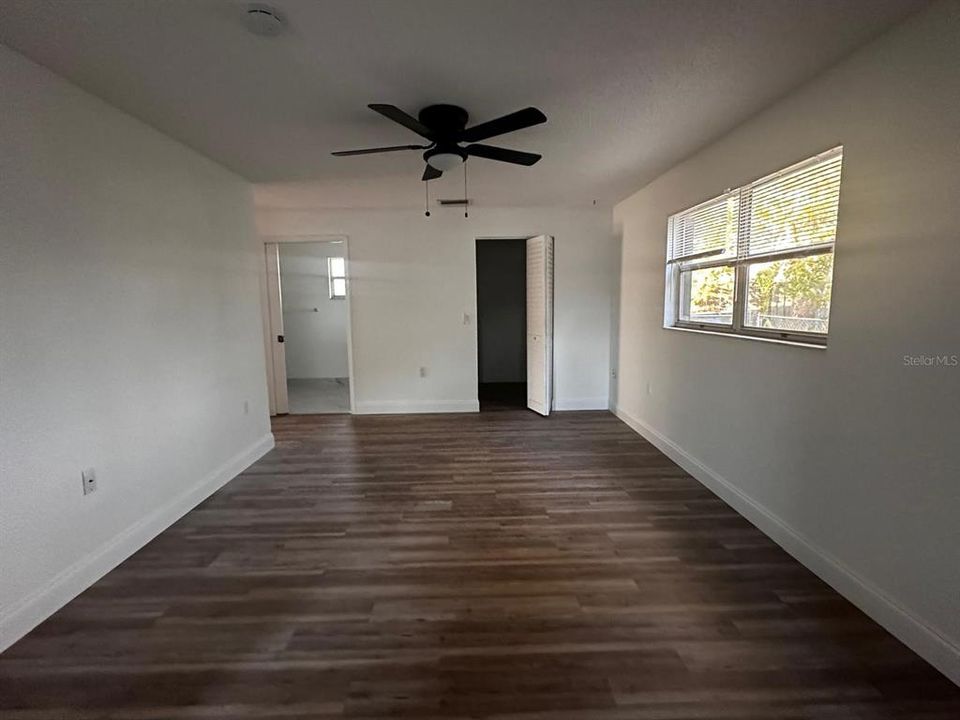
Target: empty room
516,359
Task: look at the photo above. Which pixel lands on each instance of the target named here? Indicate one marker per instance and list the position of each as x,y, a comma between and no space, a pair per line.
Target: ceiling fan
445,126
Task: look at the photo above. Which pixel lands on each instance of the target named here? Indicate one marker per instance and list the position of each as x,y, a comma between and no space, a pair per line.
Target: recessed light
264,20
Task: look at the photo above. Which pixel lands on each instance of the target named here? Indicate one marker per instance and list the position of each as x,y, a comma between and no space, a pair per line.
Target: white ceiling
629,87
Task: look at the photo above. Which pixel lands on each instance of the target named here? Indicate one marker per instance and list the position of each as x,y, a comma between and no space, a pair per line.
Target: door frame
476,310
272,299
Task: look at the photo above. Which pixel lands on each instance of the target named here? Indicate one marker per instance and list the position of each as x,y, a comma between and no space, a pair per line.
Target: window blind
793,209
707,230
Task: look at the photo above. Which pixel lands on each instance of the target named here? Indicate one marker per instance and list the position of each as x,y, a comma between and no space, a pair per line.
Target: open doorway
501,324
310,324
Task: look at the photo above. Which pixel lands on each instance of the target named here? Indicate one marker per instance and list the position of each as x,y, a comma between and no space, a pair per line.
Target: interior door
278,357
540,324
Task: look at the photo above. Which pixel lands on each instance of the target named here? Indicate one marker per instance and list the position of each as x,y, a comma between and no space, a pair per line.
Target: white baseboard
594,403
395,407
20,618
911,630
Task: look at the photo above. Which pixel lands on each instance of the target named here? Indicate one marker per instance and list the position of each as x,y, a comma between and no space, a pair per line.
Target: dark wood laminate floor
464,566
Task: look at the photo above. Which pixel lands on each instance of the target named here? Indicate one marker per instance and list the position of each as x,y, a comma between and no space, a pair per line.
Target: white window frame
331,277
741,263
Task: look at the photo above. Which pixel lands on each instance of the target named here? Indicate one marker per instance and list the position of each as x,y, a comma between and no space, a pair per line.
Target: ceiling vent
456,202
264,20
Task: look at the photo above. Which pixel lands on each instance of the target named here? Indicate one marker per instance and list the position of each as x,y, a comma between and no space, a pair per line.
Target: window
758,260
337,273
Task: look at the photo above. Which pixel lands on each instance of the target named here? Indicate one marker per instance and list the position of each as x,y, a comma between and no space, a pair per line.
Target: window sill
755,338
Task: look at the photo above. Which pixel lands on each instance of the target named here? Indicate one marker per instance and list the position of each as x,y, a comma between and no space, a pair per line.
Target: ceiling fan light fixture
445,160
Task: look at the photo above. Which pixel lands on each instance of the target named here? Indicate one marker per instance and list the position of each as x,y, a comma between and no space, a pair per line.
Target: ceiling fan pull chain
465,197
426,198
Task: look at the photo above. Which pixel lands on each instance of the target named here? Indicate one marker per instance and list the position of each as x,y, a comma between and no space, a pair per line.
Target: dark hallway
501,324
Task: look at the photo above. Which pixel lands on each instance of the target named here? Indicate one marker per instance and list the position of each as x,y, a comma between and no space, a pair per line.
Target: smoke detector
263,20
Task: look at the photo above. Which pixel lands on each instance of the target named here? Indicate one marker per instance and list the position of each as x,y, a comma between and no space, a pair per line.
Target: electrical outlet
89,477
613,373
246,407
423,371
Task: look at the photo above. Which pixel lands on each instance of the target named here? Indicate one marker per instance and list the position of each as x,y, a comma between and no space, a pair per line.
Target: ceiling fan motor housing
447,121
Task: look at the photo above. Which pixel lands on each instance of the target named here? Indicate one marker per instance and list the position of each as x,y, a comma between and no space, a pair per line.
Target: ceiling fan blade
502,154
506,124
431,173
399,116
370,151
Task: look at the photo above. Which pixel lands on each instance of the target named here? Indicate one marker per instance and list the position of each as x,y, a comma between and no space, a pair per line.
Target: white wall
846,456
131,337
413,278
314,324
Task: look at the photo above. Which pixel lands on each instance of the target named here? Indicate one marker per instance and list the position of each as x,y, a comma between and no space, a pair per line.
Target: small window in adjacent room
758,260
337,272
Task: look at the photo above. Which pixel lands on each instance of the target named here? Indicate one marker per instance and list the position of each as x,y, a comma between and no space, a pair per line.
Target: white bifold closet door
540,323
278,356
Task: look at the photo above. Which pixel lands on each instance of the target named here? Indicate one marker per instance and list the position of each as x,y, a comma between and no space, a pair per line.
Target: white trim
927,642
743,336
20,618
590,403
403,407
